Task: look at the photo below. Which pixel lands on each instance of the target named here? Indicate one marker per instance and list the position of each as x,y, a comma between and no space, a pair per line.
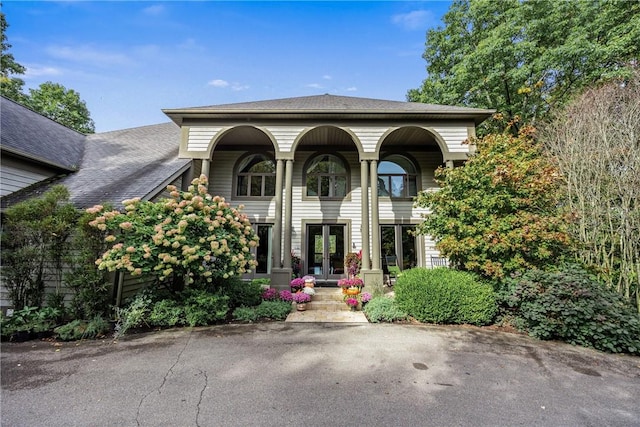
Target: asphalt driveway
277,374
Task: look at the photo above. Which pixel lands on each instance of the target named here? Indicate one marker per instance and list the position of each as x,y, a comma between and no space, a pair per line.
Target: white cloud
218,83
414,20
326,77
41,71
314,86
154,10
235,86
87,54
352,89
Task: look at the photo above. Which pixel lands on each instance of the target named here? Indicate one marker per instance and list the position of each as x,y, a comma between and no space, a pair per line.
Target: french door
325,251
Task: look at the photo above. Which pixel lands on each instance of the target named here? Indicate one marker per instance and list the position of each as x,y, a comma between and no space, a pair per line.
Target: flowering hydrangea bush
189,236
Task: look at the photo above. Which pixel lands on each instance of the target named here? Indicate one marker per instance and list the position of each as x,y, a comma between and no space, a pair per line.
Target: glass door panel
325,251
263,251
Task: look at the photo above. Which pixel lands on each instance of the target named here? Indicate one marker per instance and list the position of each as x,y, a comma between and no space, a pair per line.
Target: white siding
200,137
285,135
453,135
16,174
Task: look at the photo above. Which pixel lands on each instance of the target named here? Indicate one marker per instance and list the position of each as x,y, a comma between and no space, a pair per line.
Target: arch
398,172
334,181
254,175
227,131
442,145
354,138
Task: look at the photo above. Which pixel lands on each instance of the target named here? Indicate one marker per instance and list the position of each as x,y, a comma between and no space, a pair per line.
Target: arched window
256,176
327,177
397,177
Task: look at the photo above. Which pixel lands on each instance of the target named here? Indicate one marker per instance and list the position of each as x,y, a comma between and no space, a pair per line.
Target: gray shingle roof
119,165
127,163
334,103
329,107
28,134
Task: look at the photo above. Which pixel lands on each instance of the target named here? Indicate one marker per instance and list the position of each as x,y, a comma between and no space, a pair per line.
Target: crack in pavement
164,380
206,383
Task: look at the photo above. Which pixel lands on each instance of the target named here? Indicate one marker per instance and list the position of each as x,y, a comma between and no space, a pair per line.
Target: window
256,176
398,241
397,177
327,177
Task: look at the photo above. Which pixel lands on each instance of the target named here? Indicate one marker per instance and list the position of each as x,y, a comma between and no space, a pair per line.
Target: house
322,176
319,176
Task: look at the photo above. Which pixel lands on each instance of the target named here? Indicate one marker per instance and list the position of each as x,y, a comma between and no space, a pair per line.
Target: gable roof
119,165
32,136
329,106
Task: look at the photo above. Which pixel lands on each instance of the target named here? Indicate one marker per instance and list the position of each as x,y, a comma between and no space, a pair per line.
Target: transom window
327,177
397,177
256,176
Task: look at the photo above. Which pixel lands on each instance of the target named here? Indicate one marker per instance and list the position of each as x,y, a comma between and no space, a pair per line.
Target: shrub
500,211
80,329
34,244
204,308
569,304
276,310
444,295
240,292
245,314
135,314
167,312
383,309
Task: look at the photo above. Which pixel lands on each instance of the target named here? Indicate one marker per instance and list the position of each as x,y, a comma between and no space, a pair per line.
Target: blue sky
130,59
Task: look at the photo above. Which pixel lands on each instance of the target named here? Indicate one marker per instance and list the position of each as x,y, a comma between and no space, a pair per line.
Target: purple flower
365,297
351,302
270,294
286,296
301,298
297,283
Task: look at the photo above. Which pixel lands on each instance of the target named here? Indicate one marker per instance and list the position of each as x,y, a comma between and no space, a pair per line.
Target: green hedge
444,295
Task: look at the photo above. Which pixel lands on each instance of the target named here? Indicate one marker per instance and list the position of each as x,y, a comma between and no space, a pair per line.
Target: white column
276,253
364,206
288,196
375,218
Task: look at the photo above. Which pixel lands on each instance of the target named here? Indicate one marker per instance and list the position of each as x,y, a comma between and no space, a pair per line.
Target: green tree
191,237
62,105
524,57
34,244
499,212
10,86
